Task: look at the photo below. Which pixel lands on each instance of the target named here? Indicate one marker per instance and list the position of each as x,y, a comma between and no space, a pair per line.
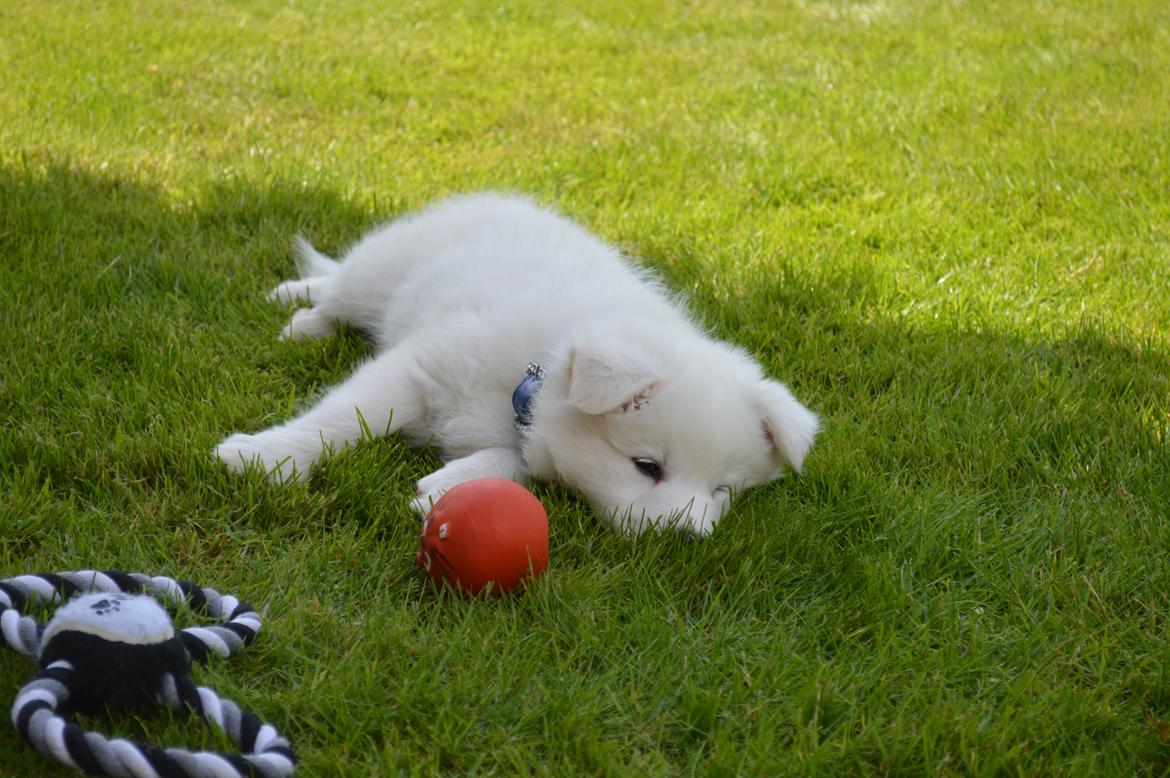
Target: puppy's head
661,428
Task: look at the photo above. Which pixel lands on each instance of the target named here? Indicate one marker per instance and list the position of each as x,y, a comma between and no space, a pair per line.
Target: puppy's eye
722,490
648,468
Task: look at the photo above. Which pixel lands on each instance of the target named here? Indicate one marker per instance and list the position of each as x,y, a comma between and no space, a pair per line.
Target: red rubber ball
490,531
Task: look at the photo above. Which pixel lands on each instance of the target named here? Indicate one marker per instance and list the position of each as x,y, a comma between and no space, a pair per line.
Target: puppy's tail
312,263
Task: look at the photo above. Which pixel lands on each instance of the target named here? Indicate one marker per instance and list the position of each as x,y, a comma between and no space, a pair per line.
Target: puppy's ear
789,427
604,377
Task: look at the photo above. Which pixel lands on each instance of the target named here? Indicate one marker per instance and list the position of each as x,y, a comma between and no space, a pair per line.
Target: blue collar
525,393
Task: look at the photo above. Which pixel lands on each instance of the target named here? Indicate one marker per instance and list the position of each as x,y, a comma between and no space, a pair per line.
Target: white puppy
632,405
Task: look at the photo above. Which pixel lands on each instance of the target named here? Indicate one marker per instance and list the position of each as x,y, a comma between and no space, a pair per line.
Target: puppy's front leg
487,463
380,395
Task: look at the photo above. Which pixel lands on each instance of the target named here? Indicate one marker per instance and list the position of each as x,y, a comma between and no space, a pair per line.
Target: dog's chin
696,518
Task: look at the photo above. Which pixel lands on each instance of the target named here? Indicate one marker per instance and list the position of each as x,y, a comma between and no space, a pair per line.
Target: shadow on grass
959,471
130,306
137,334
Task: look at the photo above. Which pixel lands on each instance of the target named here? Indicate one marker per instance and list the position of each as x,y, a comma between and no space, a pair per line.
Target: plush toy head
119,646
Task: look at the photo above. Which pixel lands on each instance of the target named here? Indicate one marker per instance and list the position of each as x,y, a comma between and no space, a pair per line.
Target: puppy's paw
428,492
242,451
292,291
420,506
486,463
435,485
307,323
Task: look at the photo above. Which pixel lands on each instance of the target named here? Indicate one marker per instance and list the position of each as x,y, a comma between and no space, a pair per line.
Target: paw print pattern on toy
108,605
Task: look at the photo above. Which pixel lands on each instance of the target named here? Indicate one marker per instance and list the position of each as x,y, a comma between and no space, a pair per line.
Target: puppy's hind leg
307,323
316,277
380,397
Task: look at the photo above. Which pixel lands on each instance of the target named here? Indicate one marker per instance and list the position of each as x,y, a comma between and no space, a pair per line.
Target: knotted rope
113,645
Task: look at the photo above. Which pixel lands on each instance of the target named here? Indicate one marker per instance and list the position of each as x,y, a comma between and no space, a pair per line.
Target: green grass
945,225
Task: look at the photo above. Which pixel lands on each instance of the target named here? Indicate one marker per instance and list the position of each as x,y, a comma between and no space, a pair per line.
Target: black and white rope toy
113,645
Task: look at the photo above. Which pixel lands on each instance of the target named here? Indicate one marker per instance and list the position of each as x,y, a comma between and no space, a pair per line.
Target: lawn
946,225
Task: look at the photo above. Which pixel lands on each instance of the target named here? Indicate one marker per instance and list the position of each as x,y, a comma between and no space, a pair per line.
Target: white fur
460,297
